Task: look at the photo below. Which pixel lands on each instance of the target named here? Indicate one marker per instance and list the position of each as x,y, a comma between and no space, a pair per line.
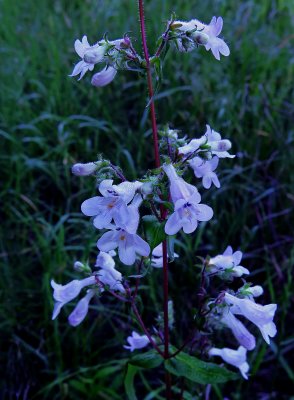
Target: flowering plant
141,219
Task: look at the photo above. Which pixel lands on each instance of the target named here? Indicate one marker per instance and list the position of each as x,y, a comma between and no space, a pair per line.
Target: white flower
128,244
211,141
64,293
90,55
84,169
136,341
113,205
227,262
186,199
204,169
81,309
261,316
104,77
233,357
157,258
244,337
194,32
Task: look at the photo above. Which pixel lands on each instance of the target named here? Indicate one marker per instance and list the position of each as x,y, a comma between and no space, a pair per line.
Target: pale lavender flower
108,275
243,336
136,341
90,56
104,260
80,169
104,77
237,358
213,144
228,262
186,199
81,309
261,316
128,244
194,32
113,205
205,170
64,293
157,258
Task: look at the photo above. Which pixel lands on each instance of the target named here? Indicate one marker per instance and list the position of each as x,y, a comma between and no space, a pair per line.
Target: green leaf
148,360
154,230
197,370
129,381
151,359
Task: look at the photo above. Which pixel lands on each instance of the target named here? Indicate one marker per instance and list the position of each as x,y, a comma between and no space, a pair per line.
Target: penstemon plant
169,205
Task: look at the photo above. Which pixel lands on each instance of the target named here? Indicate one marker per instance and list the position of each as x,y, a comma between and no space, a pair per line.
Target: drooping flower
65,293
211,141
205,170
233,357
104,77
227,264
186,199
193,33
157,258
261,316
128,244
80,169
81,309
136,341
90,56
107,274
113,204
241,333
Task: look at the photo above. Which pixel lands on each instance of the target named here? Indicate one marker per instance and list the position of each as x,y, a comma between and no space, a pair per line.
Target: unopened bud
146,188
84,169
81,267
256,290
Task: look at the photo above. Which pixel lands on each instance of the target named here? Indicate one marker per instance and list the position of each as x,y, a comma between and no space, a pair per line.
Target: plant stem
163,211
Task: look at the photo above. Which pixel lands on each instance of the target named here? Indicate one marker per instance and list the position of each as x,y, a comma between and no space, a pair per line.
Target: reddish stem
163,211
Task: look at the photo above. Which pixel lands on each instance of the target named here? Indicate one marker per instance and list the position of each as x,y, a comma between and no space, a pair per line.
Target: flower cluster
115,54
189,35
227,306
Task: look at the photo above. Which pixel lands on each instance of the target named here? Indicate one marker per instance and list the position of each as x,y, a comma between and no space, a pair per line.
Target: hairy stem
163,211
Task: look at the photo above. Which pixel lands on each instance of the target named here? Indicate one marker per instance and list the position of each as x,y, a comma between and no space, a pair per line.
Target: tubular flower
210,141
113,204
193,33
136,341
65,293
244,337
81,309
261,316
205,170
233,357
186,199
227,264
108,275
104,77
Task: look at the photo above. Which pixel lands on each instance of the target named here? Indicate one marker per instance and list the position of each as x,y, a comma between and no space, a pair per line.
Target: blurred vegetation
49,121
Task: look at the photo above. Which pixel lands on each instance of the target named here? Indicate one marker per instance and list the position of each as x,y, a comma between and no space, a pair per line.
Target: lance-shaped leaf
154,230
197,370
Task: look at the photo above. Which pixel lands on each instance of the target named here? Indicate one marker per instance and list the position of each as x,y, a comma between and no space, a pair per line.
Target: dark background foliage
49,121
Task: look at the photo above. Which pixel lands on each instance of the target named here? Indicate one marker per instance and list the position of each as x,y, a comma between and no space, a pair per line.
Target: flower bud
146,188
84,169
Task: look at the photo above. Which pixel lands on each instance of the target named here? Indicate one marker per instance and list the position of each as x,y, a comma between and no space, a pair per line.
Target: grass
49,121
